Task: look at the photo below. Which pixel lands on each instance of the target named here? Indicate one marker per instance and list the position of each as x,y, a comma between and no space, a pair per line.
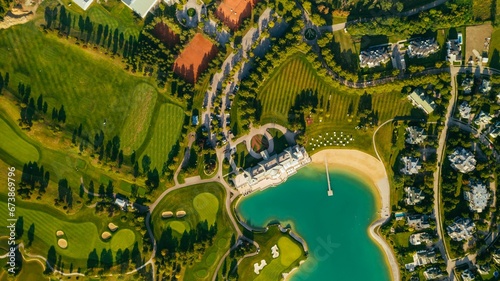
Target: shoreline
358,163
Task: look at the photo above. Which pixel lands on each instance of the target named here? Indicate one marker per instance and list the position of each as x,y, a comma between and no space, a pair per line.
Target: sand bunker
62,243
59,233
105,235
113,227
168,214
180,214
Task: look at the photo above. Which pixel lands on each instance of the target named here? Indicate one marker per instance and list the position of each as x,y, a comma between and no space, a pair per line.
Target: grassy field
91,88
296,75
481,9
48,221
14,146
166,133
494,53
290,254
187,199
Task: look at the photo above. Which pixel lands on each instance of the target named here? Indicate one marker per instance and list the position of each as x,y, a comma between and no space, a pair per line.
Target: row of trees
34,176
31,110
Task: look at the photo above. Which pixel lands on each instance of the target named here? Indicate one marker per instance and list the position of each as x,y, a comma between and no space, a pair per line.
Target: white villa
495,130
272,170
422,48
419,238
461,229
141,7
462,160
464,109
454,49
415,135
467,85
485,86
411,165
84,4
419,99
433,273
483,119
421,258
478,196
413,195
418,221
374,56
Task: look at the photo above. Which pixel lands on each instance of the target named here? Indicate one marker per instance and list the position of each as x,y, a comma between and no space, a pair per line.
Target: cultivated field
92,90
166,133
475,39
194,58
199,202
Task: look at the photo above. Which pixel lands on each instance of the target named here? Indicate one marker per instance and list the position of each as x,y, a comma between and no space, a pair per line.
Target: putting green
202,273
179,226
207,205
289,251
15,146
122,239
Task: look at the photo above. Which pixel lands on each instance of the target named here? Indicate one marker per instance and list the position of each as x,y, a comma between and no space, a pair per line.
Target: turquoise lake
334,228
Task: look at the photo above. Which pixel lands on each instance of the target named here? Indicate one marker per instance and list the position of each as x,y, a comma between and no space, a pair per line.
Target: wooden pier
330,191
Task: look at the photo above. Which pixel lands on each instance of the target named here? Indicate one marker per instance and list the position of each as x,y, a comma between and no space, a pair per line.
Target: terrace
411,165
461,229
478,196
415,135
422,48
462,160
375,56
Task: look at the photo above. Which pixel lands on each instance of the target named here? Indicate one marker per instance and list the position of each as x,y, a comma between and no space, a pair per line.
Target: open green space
122,239
92,89
32,270
49,221
179,226
166,133
207,206
290,254
494,53
185,199
15,146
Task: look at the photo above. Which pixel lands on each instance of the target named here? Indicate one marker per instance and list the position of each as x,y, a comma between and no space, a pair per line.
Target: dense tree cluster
4,81
65,193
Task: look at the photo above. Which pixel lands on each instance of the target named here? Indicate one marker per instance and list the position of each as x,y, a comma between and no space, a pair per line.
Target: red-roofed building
233,12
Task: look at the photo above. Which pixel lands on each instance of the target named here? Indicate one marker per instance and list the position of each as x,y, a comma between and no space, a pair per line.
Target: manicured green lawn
166,133
207,206
82,232
32,270
184,199
15,146
91,88
178,226
494,54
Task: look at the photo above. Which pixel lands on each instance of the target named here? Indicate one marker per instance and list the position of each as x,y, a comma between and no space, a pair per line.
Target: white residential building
467,85
374,56
413,195
422,48
485,86
454,49
421,258
411,165
495,130
418,221
433,273
478,196
272,171
141,7
84,4
419,238
464,109
461,229
419,99
415,135
462,160
483,119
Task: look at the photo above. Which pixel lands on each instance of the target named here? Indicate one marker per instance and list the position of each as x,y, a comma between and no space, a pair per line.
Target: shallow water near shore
334,228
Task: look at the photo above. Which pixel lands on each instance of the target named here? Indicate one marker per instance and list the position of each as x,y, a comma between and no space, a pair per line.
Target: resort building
454,49
84,4
420,238
419,99
141,7
411,165
421,258
413,196
461,229
433,273
462,160
375,56
464,110
422,48
272,171
415,135
467,85
485,86
418,221
478,196
483,119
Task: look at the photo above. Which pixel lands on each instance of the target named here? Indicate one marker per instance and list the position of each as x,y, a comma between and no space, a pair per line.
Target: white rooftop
141,7
84,4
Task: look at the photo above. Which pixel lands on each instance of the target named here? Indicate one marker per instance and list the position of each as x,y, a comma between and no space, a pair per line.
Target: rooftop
464,109
478,196
461,229
374,56
84,4
422,47
415,135
462,160
233,12
422,101
483,119
411,165
141,7
413,195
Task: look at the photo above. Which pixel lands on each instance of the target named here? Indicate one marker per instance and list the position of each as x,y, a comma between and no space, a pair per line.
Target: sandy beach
370,168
